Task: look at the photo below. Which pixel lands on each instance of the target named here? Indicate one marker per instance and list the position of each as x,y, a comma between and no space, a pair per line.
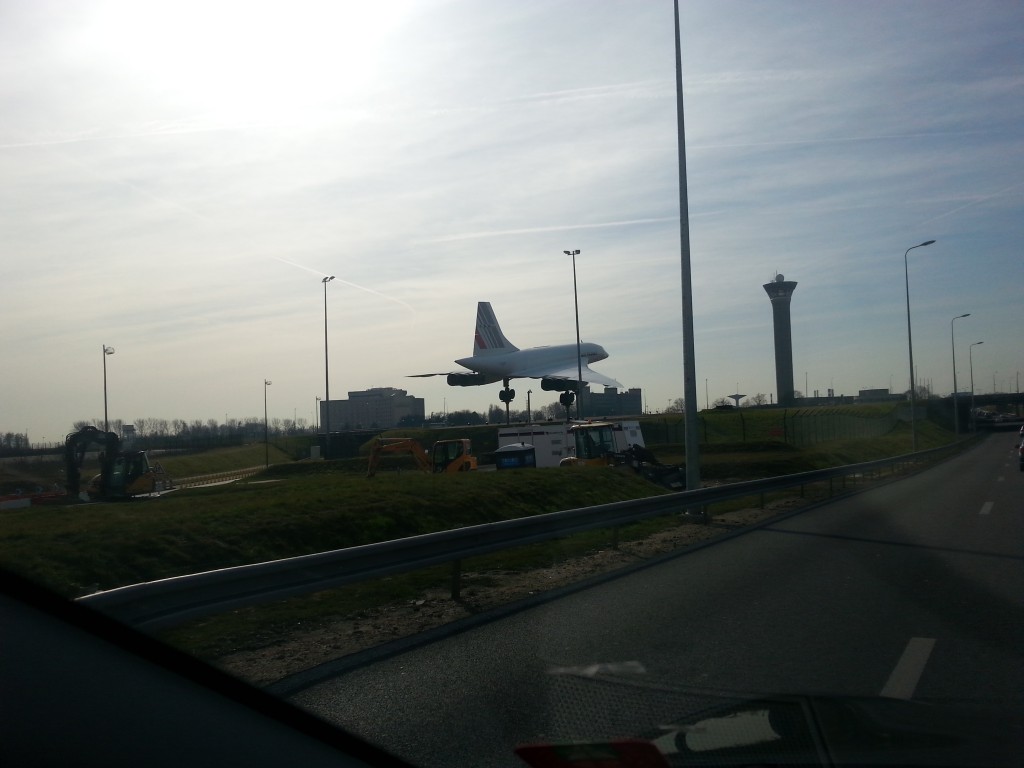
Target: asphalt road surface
911,590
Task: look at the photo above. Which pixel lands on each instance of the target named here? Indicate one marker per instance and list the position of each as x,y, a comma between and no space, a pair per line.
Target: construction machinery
123,474
592,444
555,441
599,444
447,456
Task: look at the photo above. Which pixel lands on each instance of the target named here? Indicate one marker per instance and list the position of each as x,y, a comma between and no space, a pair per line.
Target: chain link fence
795,426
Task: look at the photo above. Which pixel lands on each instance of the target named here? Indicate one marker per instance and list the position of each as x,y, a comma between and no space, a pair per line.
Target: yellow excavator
447,456
123,474
592,445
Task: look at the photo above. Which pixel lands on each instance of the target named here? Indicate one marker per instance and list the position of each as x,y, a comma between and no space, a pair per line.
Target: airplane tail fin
489,339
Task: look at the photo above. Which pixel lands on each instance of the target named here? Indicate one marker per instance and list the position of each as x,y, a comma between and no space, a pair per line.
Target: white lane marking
593,670
986,508
905,676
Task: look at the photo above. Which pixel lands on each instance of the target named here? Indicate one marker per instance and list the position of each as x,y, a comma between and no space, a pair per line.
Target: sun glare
246,60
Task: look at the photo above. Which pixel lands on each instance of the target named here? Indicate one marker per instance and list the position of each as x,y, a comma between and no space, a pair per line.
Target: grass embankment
179,465
287,511
728,456
47,470
318,506
305,507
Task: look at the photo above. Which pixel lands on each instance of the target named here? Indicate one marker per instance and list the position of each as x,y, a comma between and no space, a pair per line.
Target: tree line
158,427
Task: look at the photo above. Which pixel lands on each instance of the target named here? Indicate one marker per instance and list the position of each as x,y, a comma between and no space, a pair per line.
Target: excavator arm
77,444
122,474
388,445
447,456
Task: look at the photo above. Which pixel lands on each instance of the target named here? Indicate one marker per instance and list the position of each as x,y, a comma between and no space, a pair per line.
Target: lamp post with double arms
579,359
910,347
266,430
106,351
327,378
952,341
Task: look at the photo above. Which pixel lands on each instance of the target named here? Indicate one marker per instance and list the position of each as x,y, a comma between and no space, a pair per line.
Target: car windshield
363,277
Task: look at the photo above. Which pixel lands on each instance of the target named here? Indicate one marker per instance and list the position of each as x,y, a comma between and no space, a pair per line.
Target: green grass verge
303,507
288,511
179,465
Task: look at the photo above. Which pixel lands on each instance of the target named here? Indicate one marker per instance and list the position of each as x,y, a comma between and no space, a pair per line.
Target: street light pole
952,341
266,431
579,359
970,357
106,351
910,347
327,379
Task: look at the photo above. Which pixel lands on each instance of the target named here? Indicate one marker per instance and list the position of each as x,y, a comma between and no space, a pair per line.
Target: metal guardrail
169,602
217,477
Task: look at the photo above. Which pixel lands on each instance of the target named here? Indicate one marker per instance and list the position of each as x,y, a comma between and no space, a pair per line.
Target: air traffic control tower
780,291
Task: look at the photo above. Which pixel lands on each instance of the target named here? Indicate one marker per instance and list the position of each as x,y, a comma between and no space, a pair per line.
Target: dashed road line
986,508
904,678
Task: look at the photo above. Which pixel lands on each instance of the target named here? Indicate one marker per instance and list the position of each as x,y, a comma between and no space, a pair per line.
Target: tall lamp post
952,341
266,430
106,351
579,360
910,346
970,357
327,378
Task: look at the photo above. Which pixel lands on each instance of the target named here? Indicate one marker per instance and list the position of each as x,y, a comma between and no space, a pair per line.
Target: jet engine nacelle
467,379
558,385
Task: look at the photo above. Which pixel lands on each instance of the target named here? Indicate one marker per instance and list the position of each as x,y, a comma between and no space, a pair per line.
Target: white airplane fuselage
495,358
522,362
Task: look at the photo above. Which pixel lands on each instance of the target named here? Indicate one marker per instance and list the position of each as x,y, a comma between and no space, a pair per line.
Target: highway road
910,590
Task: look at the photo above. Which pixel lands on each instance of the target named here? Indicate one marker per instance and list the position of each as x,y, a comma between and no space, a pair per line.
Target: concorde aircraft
495,358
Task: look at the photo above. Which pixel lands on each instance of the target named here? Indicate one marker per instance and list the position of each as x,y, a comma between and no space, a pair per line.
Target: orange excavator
123,474
447,456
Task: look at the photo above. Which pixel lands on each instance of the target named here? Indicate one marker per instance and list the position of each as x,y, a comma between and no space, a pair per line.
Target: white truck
552,441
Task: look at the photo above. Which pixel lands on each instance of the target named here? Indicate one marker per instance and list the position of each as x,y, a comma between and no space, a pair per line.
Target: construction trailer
555,441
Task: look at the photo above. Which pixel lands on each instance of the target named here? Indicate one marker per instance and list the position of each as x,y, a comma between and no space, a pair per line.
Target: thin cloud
555,228
168,129
836,140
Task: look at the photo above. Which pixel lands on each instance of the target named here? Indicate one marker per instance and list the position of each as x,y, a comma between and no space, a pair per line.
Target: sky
178,177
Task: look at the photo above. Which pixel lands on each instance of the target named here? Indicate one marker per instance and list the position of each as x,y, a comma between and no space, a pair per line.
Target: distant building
878,396
376,408
611,402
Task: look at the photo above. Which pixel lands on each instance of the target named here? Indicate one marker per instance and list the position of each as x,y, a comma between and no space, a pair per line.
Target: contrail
346,282
300,266
195,214
108,179
979,201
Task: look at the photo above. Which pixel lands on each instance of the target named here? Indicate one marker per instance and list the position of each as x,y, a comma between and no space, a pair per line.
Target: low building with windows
611,402
879,396
376,408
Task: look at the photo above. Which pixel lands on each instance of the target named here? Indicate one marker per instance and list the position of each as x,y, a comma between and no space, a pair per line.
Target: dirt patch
307,647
